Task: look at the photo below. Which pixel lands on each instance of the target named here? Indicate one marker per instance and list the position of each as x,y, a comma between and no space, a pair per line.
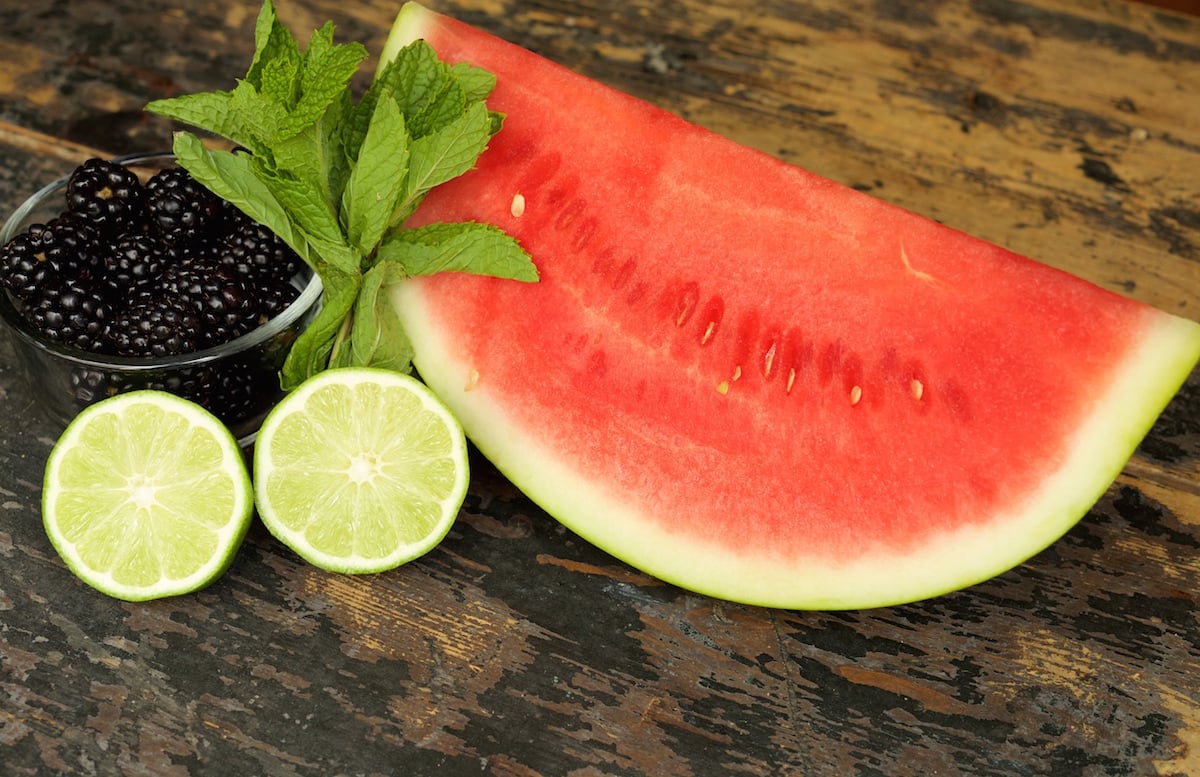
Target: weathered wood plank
1059,129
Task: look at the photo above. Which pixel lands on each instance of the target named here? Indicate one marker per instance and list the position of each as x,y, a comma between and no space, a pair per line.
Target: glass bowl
237,381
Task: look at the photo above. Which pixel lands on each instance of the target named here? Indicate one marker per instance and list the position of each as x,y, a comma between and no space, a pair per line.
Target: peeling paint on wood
1061,129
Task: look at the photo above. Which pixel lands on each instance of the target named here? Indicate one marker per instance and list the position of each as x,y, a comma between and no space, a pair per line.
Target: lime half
360,470
146,495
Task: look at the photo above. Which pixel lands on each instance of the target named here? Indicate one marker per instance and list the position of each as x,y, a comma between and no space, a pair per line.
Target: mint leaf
413,78
314,218
444,155
337,179
477,83
451,150
482,249
377,181
256,117
272,42
210,109
405,79
315,154
306,156
279,79
443,107
327,71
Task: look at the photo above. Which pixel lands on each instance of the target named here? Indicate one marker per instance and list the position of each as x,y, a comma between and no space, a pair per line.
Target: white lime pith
360,470
146,495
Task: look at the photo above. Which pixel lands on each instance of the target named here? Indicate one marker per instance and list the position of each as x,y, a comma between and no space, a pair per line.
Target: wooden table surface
1069,131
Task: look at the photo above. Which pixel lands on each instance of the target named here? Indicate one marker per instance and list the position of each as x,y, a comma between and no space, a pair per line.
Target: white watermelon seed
768,361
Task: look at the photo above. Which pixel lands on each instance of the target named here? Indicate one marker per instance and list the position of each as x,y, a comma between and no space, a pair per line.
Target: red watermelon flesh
757,383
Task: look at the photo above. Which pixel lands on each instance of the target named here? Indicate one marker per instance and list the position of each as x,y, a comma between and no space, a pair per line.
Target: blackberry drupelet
89,384
106,194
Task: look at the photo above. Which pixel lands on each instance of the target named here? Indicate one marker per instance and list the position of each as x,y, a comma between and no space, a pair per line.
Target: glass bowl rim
309,296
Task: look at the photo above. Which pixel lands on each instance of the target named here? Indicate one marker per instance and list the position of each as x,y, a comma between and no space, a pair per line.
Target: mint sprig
337,178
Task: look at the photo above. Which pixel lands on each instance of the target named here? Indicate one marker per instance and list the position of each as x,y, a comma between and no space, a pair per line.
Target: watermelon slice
759,384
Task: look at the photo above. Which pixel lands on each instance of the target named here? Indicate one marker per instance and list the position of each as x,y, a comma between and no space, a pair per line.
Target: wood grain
1064,130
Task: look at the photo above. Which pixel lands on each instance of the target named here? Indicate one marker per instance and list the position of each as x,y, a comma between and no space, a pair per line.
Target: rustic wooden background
1069,131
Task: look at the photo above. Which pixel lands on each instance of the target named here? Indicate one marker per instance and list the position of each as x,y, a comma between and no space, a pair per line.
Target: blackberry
134,263
237,392
72,314
76,246
181,208
65,247
89,384
255,251
155,270
156,325
25,267
220,298
107,194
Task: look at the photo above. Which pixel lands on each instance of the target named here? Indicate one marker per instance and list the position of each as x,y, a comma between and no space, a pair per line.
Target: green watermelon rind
1123,413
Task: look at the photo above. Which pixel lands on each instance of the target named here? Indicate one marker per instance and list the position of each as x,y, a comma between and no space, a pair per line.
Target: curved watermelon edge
1143,386
408,27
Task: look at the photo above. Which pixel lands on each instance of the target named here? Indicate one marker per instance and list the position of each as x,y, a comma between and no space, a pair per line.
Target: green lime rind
360,470
146,495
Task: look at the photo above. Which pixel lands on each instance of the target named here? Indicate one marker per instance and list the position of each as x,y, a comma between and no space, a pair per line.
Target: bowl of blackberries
128,274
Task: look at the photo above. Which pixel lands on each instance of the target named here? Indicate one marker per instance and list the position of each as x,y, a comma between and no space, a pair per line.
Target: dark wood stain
1060,129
